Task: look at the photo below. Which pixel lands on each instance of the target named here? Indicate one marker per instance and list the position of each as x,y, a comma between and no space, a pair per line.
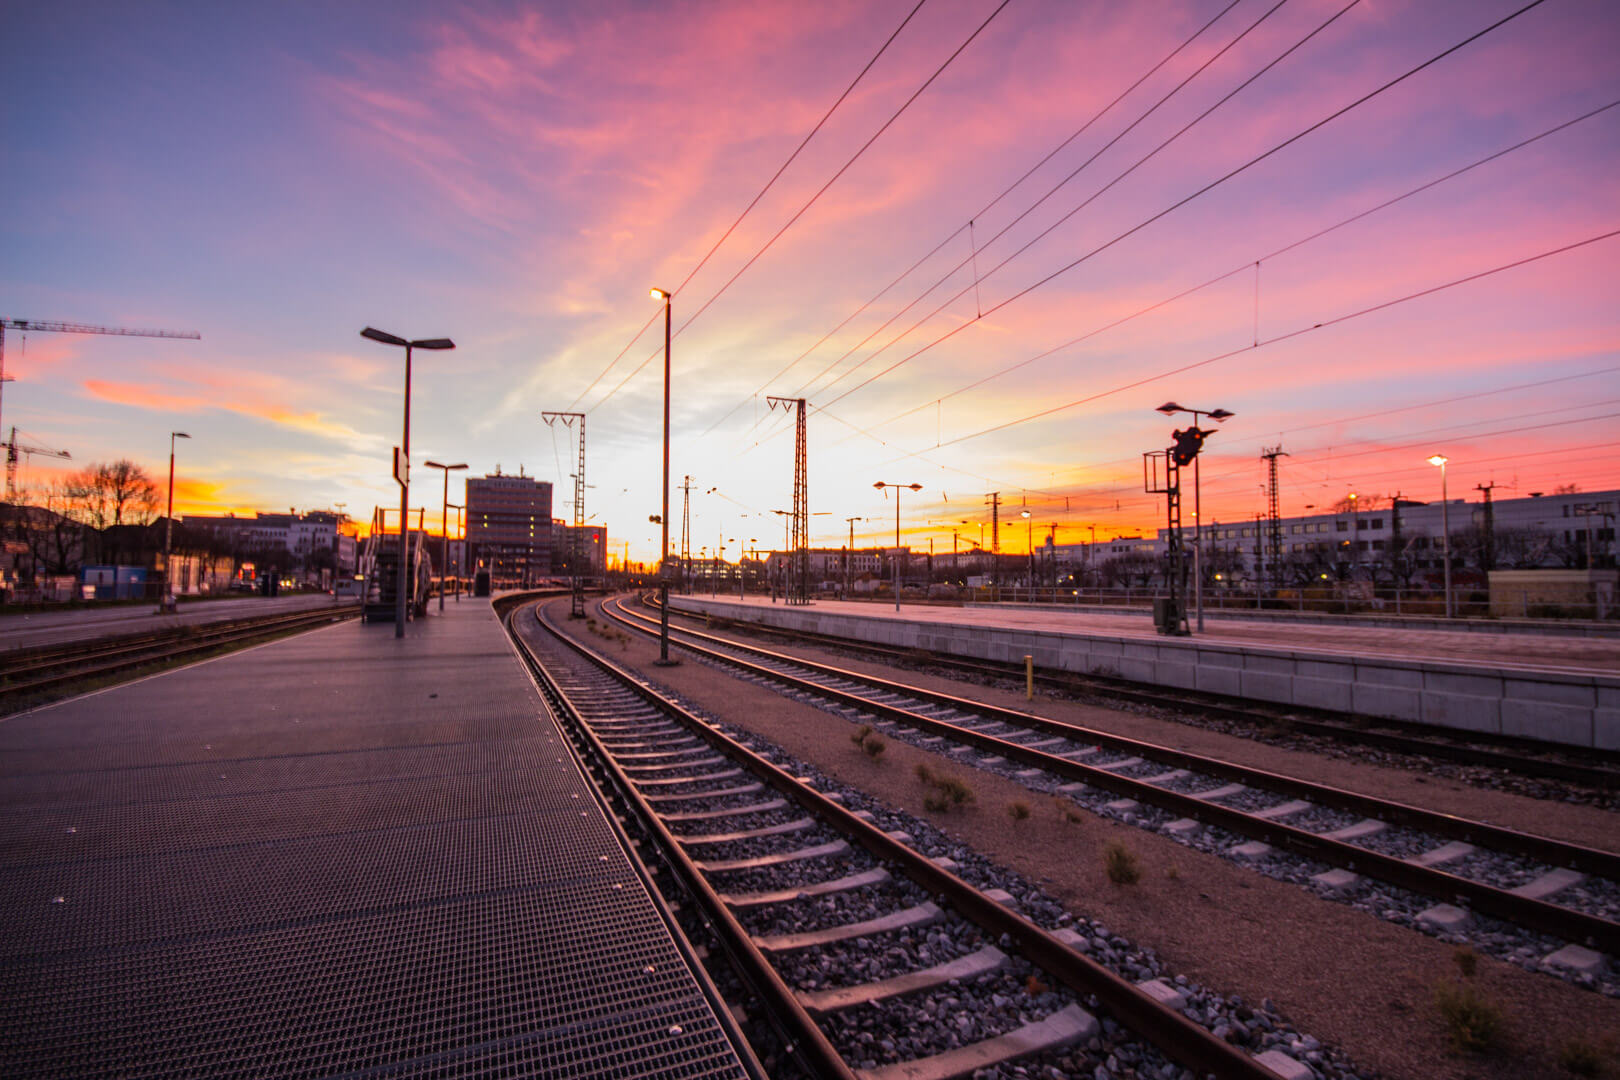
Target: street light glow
1438,459
658,294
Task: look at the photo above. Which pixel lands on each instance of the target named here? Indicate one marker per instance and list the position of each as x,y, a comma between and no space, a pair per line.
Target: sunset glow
517,177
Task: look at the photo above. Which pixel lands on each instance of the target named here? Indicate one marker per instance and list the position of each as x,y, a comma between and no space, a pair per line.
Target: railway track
881,959
29,673
1594,768
1562,891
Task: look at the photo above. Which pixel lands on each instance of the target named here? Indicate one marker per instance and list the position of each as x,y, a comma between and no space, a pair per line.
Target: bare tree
113,493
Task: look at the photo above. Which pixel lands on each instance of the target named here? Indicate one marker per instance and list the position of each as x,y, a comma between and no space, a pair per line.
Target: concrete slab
1182,827
1336,880
971,966
1163,993
1284,1066
1254,849
1447,853
1549,884
1283,810
1363,828
1576,958
1063,1028
921,915
1444,917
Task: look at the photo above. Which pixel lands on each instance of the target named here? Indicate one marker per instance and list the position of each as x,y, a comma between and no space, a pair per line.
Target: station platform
1557,689
340,853
27,629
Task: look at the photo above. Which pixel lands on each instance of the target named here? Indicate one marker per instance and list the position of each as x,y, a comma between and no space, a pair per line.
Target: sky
1018,229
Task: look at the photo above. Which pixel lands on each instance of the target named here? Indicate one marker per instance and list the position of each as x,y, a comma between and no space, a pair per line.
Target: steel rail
69,671
1180,1038
806,1038
1427,739
1562,922
565,707
15,662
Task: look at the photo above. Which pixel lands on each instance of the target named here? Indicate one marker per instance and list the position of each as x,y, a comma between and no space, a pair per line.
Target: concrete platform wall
1583,710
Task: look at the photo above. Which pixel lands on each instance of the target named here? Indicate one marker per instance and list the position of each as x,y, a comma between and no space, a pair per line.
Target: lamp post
405,463
1445,527
444,530
1170,408
849,553
1029,542
461,535
168,519
914,487
664,296
742,574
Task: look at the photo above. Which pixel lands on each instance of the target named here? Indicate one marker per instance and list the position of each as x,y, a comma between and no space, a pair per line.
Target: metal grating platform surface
446,901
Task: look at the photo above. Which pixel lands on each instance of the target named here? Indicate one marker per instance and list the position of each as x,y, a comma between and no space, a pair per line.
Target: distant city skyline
516,177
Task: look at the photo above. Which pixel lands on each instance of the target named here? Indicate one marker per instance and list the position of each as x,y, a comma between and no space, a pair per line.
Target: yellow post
1029,677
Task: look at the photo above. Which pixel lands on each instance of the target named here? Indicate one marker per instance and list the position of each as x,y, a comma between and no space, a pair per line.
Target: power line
821,191
1277,339
1246,265
1090,199
755,202
1201,191
1082,129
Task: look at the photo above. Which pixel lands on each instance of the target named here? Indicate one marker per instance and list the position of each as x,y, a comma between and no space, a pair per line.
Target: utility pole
1490,525
798,584
994,498
1273,515
849,552
577,607
686,531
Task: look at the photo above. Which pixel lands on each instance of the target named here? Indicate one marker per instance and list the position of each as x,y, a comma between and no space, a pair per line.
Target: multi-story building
592,541
306,537
1575,529
509,528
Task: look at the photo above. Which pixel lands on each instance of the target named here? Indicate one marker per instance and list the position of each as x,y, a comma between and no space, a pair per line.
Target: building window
1378,523
1344,526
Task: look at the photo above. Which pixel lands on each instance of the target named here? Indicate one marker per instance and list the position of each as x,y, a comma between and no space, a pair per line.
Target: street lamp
914,487
444,530
1029,542
1445,526
664,296
1170,408
405,459
461,535
168,519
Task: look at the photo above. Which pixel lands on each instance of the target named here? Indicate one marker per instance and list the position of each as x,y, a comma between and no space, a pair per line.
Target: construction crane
13,448
25,325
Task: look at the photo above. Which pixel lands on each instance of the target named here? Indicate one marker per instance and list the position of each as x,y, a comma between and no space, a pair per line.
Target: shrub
874,747
860,734
1068,811
1473,1022
1121,865
1466,960
1018,809
1581,1058
924,773
1173,872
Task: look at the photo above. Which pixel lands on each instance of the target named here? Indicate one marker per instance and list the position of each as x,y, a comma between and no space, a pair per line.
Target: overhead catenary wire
1206,188
1083,204
1082,129
819,192
1217,279
1277,339
762,191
